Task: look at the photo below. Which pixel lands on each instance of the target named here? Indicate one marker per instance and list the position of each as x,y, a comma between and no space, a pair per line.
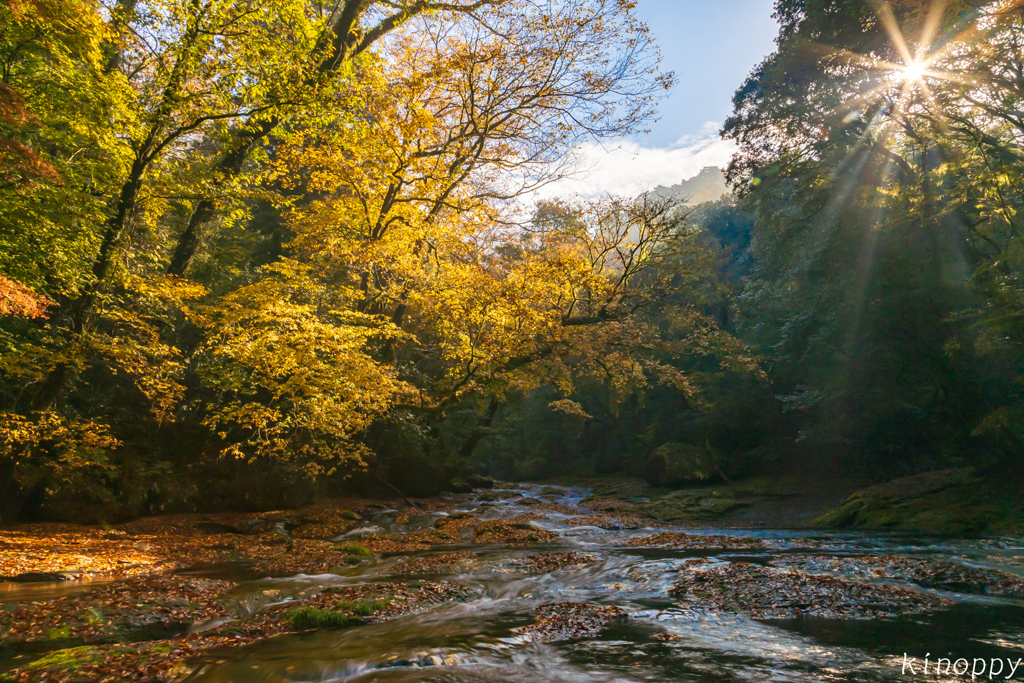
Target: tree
361,159
879,186
414,218
352,27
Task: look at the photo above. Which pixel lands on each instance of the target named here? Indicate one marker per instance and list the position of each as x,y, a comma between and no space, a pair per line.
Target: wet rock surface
557,507
554,561
387,600
694,541
431,564
516,531
44,577
446,530
611,522
113,611
547,562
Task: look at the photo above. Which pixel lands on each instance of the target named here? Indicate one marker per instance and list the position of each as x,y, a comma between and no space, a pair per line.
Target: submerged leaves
570,620
767,593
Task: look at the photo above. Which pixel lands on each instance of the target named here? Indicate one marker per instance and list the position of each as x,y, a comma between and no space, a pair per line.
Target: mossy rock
67,664
943,502
344,614
68,661
688,506
675,464
307,618
356,550
480,482
720,506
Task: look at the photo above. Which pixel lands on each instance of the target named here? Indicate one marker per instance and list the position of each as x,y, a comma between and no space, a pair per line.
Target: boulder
674,464
460,486
954,501
480,482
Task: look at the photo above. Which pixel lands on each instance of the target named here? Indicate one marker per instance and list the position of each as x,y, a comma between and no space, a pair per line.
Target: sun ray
854,58
892,27
961,39
929,30
939,118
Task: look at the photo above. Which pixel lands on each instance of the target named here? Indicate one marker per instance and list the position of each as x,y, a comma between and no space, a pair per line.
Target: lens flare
914,71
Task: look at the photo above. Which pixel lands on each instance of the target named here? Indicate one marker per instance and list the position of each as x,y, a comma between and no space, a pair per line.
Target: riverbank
943,502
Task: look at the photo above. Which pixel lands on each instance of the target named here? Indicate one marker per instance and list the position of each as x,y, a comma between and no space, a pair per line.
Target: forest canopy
268,233
246,246
869,258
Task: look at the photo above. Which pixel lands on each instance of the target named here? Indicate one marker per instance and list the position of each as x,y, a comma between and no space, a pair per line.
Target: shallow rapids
659,639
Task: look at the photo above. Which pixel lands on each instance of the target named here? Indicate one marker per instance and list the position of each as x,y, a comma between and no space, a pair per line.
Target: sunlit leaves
294,371
387,139
18,300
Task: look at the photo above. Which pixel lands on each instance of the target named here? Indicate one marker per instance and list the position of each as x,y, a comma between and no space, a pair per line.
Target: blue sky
711,45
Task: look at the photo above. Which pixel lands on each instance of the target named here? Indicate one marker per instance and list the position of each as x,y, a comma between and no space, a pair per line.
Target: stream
476,640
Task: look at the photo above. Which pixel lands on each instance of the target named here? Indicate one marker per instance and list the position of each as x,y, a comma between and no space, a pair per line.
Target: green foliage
275,251
871,259
263,232
883,207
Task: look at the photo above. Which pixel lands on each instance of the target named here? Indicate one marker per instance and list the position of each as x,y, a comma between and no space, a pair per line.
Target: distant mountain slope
706,186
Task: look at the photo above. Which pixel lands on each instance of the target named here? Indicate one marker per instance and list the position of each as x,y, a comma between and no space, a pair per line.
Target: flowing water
475,640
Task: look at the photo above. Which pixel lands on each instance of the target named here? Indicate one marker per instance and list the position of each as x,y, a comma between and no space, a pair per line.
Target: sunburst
908,80
915,71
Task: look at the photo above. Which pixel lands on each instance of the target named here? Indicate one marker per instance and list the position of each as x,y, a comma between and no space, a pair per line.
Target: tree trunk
244,140
230,165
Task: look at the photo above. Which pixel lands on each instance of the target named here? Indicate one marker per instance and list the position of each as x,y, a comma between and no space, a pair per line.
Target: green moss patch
356,550
306,618
344,614
959,501
81,663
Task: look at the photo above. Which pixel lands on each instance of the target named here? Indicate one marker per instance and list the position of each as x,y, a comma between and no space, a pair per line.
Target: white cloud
627,169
